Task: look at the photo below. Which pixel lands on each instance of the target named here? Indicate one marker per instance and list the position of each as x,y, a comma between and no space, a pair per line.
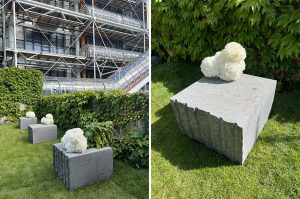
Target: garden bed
27,172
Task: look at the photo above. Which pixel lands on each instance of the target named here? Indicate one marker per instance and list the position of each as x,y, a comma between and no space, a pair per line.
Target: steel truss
39,16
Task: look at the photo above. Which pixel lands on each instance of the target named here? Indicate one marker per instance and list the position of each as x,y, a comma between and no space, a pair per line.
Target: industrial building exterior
78,44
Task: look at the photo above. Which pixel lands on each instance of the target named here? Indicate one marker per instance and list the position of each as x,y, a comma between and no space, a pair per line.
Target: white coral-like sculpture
227,64
30,114
48,119
74,141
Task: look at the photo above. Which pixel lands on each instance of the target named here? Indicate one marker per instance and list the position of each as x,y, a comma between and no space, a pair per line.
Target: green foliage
99,134
82,107
269,30
19,86
132,147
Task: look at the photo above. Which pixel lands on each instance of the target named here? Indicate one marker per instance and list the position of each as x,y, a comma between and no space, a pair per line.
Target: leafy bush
132,147
19,86
82,107
269,30
99,134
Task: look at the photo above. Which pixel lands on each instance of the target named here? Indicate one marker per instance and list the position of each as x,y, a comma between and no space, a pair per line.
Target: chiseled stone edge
217,134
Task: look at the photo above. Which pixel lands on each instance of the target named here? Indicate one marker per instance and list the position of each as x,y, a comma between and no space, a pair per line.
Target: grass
183,168
26,171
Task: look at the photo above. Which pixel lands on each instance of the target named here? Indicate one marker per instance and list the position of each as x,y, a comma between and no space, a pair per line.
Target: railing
106,52
131,72
124,79
104,14
61,85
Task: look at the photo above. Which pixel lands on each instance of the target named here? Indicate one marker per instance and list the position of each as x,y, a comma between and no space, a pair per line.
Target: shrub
132,147
80,108
19,86
99,134
269,30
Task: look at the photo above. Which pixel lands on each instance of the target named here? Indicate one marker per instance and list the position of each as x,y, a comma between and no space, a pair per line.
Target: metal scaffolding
74,38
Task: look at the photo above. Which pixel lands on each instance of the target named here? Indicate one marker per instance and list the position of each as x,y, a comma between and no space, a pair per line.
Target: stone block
78,170
24,122
225,116
40,133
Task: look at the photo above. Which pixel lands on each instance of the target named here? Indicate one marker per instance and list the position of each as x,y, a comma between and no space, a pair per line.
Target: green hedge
269,30
18,86
82,107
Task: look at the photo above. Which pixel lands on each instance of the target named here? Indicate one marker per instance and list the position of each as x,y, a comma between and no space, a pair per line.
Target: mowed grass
183,168
26,171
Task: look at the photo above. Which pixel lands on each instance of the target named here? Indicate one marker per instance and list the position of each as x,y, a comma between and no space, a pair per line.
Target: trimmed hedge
19,86
269,30
83,107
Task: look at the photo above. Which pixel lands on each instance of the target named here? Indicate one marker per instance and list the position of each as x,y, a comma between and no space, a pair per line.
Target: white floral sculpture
48,119
74,141
30,114
227,64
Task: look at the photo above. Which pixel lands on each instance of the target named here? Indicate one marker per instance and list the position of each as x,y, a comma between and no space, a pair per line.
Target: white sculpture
74,141
30,114
48,119
227,64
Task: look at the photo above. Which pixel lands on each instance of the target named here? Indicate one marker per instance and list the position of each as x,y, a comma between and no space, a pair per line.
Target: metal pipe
15,61
4,35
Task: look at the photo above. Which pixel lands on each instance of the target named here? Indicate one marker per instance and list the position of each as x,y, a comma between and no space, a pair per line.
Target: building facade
77,42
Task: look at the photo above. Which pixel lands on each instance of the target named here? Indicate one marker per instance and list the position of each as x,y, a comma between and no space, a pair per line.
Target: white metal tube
15,34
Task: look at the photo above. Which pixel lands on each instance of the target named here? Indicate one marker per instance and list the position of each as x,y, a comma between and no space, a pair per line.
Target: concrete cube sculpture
78,170
225,116
40,133
24,122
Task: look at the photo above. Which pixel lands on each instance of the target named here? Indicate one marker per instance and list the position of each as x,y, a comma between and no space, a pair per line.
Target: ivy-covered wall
268,29
18,86
79,108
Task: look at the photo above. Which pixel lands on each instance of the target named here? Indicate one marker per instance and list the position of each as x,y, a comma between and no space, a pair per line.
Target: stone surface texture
78,170
24,122
40,133
225,116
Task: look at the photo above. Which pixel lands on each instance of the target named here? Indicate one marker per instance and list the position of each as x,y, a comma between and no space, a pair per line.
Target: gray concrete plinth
225,116
78,170
40,133
24,122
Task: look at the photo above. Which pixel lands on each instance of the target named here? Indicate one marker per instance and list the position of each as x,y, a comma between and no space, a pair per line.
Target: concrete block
40,133
225,116
78,170
24,122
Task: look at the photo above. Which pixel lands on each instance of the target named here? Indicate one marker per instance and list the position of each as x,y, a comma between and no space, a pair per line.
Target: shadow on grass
180,150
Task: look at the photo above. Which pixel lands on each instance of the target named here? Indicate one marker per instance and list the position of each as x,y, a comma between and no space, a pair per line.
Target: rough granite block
78,170
40,132
24,122
225,116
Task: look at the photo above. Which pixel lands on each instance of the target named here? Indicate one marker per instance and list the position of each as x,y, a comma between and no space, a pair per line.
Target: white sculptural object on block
48,119
30,114
74,141
227,64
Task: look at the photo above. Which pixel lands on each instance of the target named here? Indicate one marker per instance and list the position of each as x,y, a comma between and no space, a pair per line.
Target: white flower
227,64
30,114
74,141
231,71
233,52
49,116
209,67
47,121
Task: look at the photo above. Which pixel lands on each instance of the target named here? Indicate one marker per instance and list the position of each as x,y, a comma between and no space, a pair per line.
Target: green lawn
183,168
26,171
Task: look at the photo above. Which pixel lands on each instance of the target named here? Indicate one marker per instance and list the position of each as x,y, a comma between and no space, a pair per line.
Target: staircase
133,74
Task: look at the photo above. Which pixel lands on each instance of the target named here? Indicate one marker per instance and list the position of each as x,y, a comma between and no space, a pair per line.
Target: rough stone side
24,122
215,133
78,170
40,133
